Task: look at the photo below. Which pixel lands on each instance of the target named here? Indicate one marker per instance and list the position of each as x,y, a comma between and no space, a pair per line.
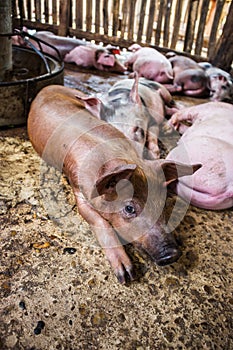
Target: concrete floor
68,299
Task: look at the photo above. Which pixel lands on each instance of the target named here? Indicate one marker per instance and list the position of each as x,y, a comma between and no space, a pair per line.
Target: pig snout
161,247
168,255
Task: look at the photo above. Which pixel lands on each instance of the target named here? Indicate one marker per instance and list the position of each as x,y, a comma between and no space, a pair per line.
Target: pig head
209,140
119,194
220,85
150,64
137,108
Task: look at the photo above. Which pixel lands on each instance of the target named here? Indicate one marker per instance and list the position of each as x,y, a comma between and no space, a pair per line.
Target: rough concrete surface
58,291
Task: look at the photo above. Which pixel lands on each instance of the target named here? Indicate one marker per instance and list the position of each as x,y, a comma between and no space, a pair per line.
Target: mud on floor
57,289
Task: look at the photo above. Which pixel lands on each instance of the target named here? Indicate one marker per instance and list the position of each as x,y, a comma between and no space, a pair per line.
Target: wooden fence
191,26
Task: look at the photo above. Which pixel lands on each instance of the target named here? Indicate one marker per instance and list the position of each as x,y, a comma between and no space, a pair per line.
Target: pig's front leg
152,142
108,240
182,120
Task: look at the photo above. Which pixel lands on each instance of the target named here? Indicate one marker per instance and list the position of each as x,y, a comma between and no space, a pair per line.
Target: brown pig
117,192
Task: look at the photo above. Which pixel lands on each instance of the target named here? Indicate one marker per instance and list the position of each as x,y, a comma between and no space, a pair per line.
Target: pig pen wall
198,28
57,289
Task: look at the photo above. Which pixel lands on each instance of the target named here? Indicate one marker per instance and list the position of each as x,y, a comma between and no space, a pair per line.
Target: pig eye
129,210
139,133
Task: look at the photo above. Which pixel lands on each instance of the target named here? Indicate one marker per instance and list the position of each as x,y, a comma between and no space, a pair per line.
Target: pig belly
211,187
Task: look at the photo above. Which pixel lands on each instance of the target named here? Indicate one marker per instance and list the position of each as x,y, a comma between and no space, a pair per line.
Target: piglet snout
161,247
168,255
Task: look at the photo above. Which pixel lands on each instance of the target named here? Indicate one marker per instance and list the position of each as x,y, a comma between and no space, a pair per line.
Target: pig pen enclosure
57,289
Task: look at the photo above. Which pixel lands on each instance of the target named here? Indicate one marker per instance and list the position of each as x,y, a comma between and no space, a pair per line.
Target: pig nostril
170,256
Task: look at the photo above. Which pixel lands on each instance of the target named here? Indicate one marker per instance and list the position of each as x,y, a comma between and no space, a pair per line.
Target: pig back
58,121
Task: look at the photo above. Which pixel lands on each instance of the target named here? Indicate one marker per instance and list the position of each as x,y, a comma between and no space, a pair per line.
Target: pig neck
84,168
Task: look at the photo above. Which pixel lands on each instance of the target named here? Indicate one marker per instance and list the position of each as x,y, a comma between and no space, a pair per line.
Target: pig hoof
126,275
169,256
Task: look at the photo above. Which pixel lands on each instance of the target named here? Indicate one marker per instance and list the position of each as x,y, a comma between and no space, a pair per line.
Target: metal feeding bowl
32,70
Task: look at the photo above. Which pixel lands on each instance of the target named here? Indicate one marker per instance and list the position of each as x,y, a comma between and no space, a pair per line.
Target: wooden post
214,28
223,55
150,21
141,21
115,21
201,27
190,28
176,24
5,42
64,14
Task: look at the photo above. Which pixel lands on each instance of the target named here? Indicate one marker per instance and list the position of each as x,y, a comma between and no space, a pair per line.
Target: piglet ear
106,184
92,104
168,72
134,95
174,170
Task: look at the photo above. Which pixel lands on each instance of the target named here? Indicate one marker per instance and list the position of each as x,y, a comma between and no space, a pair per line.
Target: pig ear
106,184
168,73
134,96
92,104
173,170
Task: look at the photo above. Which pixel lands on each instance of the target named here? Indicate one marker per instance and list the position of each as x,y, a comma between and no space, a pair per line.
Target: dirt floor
57,290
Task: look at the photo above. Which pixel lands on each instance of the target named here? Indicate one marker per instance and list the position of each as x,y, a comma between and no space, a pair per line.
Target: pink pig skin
189,77
150,64
208,141
92,56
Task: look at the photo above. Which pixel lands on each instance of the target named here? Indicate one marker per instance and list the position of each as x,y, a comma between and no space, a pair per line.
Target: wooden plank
201,27
37,5
64,17
124,18
36,25
89,15
5,44
142,20
159,23
97,16
29,9
176,24
131,20
54,11
46,10
115,20
105,16
71,4
22,6
213,33
222,58
166,29
79,14
190,28
150,24
14,8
